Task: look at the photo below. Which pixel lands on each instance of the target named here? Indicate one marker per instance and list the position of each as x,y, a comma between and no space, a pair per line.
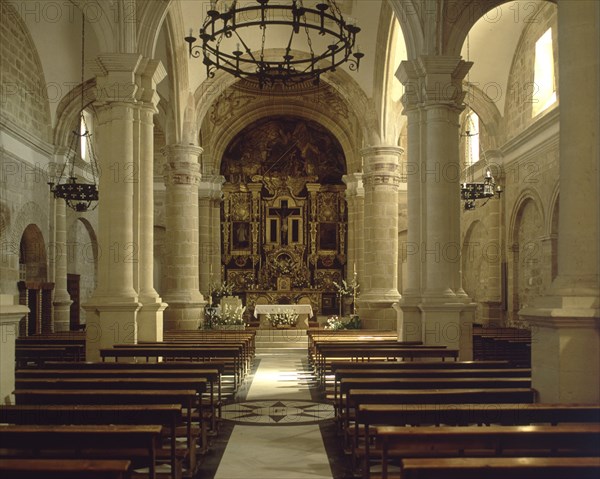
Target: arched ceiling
491,45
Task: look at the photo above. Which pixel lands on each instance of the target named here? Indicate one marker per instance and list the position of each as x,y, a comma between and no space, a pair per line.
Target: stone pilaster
566,321
182,175
150,315
379,285
433,102
10,315
112,310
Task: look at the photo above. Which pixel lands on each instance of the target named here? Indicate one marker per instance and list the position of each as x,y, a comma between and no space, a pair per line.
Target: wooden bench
350,372
150,372
562,440
346,384
186,398
135,443
502,468
370,415
167,415
357,397
64,469
390,353
226,353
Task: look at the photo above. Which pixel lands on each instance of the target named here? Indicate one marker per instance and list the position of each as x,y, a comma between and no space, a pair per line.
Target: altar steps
281,341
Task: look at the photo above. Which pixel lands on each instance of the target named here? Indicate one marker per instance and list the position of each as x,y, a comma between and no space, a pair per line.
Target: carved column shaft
182,290
355,194
379,288
61,300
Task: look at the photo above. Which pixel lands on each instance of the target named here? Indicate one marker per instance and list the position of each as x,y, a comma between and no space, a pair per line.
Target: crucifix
283,212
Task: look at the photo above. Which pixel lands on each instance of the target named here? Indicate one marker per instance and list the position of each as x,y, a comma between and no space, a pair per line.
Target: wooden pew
357,397
562,440
64,469
432,374
502,468
226,353
131,442
327,354
346,384
186,398
167,415
151,372
370,416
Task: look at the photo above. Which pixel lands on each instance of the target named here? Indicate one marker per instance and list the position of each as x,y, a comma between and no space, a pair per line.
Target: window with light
544,88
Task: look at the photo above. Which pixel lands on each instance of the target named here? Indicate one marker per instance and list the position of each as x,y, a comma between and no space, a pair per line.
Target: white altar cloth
280,308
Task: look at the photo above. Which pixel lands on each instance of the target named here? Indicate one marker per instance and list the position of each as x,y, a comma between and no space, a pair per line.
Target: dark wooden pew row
581,440
347,384
153,373
39,354
371,416
356,397
247,357
64,469
329,354
167,415
350,372
229,354
186,398
135,443
502,468
245,335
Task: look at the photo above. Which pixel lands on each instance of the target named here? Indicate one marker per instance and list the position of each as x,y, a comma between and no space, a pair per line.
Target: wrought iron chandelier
78,196
227,37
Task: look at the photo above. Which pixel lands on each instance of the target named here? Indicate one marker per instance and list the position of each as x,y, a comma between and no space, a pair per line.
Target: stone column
61,299
112,309
10,315
566,322
186,303
150,315
433,102
205,236
379,285
216,228
355,195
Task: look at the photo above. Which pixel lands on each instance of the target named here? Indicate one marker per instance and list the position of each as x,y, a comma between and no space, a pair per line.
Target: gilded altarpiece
284,216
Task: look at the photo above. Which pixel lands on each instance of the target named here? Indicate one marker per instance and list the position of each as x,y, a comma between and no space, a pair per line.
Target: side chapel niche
284,216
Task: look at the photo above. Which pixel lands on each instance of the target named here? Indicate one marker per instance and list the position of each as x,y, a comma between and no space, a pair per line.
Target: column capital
433,79
382,165
211,187
354,185
116,77
152,72
182,167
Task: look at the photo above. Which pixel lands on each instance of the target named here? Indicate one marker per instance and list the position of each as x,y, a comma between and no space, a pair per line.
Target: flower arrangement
224,316
217,291
345,288
282,317
334,323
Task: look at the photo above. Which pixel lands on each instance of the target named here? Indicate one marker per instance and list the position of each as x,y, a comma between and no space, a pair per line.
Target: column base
565,349
10,315
450,325
109,324
412,323
62,315
184,316
150,321
377,312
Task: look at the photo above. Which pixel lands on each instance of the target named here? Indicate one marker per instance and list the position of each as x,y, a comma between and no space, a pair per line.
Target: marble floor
277,427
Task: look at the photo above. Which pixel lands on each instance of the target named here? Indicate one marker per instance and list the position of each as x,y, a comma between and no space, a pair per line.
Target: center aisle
276,433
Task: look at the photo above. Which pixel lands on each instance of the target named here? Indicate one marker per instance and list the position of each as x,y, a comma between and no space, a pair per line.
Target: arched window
85,124
472,138
544,88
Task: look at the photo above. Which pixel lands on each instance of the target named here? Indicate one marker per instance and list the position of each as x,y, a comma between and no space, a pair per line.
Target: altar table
304,312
